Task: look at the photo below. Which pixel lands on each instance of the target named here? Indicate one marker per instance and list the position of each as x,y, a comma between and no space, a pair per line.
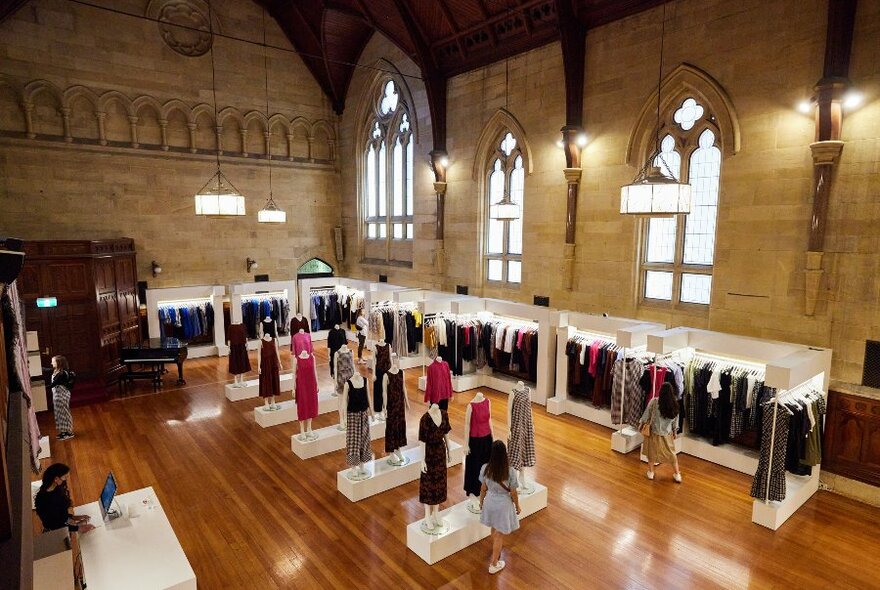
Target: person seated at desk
53,503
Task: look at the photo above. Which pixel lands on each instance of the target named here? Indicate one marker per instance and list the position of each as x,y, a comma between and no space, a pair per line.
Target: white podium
464,528
287,413
251,388
137,553
384,476
330,439
626,439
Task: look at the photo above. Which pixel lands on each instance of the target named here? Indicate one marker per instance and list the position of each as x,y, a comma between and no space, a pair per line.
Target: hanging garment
301,341
432,483
383,363
358,449
625,386
479,445
270,379
776,476
299,324
344,368
306,388
239,361
439,382
335,340
521,443
395,410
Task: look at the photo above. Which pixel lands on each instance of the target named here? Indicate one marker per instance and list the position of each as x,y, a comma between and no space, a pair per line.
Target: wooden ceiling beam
489,21
450,20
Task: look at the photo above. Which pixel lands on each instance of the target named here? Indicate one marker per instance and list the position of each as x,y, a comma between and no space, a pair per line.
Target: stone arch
115,95
175,104
148,110
256,125
38,87
322,140
300,130
118,112
206,127
499,121
691,81
82,103
232,123
385,70
42,102
279,128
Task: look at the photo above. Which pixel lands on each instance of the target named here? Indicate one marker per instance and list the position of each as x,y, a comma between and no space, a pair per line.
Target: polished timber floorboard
250,514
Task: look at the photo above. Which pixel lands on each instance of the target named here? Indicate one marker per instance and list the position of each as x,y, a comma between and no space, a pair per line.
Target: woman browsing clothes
499,501
659,446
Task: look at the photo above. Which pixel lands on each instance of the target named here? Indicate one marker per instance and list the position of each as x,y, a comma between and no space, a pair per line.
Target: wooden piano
151,356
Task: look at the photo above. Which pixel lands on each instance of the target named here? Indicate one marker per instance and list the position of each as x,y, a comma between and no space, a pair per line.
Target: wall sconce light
805,106
251,264
852,100
581,140
157,270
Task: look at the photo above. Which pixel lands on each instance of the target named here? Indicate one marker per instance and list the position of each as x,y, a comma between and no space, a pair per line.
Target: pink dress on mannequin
300,342
306,388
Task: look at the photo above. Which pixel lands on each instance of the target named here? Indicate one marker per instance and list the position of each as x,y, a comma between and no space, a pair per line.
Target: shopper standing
659,445
62,382
361,324
499,501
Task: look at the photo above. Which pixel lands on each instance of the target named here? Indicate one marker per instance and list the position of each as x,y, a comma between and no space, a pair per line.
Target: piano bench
154,374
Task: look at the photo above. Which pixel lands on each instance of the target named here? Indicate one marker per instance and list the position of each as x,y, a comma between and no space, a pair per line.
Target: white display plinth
137,553
464,528
798,489
728,455
287,413
466,382
626,440
589,412
676,446
251,388
39,397
384,476
330,439
556,406
45,452
423,382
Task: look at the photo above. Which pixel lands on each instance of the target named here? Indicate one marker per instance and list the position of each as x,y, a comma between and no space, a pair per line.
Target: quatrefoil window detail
688,114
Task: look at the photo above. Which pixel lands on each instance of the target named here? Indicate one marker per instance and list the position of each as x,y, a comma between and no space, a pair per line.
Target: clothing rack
172,302
169,297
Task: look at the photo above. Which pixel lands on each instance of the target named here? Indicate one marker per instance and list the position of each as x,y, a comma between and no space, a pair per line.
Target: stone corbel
133,123
825,157
65,118
573,179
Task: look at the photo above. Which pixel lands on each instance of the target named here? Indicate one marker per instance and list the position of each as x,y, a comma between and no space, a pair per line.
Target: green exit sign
47,302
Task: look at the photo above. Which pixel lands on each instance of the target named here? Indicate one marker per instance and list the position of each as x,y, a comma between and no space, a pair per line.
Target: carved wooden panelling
67,279
125,274
852,437
105,277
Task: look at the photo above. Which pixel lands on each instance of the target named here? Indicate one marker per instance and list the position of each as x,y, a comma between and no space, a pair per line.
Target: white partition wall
243,291
785,366
212,294
628,334
308,287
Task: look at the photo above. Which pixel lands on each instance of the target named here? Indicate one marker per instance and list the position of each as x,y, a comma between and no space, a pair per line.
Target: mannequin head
498,468
394,361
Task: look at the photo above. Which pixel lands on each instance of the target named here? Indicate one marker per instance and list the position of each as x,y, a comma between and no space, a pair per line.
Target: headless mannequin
396,457
439,359
269,402
334,394
474,505
358,381
305,426
381,415
238,380
432,519
523,488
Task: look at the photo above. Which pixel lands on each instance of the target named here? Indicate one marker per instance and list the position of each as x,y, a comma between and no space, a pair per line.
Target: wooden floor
250,514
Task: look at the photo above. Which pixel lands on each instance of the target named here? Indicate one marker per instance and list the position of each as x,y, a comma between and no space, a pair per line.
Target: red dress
439,386
239,362
270,369
300,342
306,388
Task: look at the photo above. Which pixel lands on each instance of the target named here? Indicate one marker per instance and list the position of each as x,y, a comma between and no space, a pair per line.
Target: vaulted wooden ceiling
444,37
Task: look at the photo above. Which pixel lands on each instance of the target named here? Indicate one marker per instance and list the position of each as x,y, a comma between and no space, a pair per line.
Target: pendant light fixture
219,197
655,191
505,209
270,213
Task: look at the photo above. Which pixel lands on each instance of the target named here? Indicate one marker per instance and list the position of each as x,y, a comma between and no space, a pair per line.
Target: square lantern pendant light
219,198
271,213
504,210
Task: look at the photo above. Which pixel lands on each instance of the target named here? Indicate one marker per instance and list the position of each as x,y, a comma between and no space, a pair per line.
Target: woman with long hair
62,381
659,446
53,503
499,501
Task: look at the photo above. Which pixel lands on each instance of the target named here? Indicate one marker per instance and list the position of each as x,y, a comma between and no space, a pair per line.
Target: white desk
140,553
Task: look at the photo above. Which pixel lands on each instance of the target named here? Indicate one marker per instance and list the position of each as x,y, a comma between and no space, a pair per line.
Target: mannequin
382,354
521,442
305,393
336,338
358,412
434,442
239,361
299,323
299,341
269,365
478,435
395,407
439,386
343,369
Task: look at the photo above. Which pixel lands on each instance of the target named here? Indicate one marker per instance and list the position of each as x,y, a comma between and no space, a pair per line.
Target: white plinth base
589,412
423,382
409,362
45,452
466,382
626,440
330,439
556,406
798,489
464,528
251,388
728,455
327,402
384,476
676,447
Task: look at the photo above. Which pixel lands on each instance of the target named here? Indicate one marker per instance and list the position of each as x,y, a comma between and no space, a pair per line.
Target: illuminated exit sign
47,302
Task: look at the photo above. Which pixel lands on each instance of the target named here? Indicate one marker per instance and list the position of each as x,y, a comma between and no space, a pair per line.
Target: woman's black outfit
53,508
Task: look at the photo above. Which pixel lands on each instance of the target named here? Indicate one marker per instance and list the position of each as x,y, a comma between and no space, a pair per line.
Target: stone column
192,137
102,134
163,127
133,123
572,171
28,108
311,140
268,137
219,131
244,134
290,147
65,117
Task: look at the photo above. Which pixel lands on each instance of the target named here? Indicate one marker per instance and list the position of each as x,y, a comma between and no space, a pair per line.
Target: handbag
645,429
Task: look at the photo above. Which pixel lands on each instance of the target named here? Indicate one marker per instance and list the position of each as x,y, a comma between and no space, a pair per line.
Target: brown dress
297,325
383,363
239,361
270,379
395,408
432,484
